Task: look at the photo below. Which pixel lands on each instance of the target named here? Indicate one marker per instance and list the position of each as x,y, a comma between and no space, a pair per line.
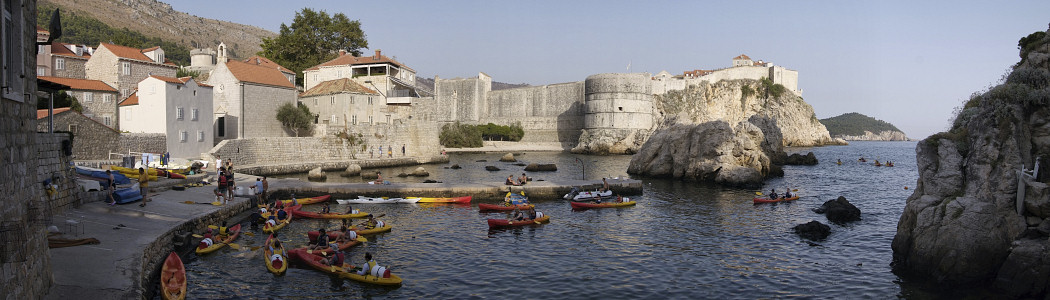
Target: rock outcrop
509,157
815,231
963,224
534,167
714,151
801,160
839,211
352,170
610,141
887,135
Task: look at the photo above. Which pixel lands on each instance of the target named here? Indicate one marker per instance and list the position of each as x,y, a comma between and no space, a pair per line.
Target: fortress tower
618,101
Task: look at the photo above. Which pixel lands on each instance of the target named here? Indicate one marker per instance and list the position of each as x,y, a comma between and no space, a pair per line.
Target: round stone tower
618,101
202,58
617,113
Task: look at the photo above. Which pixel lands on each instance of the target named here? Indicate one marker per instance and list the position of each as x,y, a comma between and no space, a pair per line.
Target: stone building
340,103
179,108
246,97
96,97
92,140
262,61
62,60
123,67
384,74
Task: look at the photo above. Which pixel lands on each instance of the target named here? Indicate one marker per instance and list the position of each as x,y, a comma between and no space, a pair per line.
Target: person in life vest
336,260
282,215
773,194
368,266
325,209
207,241
270,222
346,235
787,193
223,230
350,210
322,240
517,215
371,222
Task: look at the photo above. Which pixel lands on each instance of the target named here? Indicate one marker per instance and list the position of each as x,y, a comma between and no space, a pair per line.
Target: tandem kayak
280,224
276,259
310,200
493,223
464,199
585,205
234,232
378,276
173,278
502,207
333,234
318,215
767,200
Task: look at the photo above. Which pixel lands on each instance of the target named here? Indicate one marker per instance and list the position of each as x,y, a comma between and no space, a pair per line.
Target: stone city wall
618,101
548,113
142,142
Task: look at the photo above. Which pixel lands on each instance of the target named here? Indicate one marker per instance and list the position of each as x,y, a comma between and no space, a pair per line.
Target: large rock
352,170
610,141
840,211
713,151
317,175
534,167
491,168
509,157
420,172
813,230
801,160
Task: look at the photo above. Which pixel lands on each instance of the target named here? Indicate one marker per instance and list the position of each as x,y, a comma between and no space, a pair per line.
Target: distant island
858,127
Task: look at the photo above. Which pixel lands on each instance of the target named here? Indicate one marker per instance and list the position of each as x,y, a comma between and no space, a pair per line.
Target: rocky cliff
887,135
157,19
963,223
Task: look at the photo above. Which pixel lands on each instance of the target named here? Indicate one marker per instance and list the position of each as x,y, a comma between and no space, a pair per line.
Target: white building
391,78
247,96
180,108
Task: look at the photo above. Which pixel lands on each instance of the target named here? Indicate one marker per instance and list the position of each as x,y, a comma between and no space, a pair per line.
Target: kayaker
273,249
346,235
322,240
367,266
270,222
787,193
223,230
336,260
839,162
773,194
523,179
371,222
206,241
350,210
325,209
605,185
532,213
517,215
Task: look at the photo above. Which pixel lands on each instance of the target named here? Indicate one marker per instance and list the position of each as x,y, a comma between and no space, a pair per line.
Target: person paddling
773,194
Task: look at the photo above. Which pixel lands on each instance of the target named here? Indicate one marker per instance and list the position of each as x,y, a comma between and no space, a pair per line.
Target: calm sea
683,240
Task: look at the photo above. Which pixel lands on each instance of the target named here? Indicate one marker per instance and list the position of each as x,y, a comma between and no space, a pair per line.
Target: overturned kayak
310,200
503,207
464,199
767,200
234,232
584,205
540,219
378,275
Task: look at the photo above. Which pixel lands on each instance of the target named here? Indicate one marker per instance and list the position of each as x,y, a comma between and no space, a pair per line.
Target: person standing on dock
218,166
402,149
390,151
143,186
266,188
380,151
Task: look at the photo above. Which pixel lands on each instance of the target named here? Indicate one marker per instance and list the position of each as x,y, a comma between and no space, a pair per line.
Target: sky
910,63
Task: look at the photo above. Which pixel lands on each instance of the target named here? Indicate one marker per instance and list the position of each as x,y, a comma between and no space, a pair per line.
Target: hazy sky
909,63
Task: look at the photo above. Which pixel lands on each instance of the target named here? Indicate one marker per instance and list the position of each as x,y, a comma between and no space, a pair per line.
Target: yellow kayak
276,266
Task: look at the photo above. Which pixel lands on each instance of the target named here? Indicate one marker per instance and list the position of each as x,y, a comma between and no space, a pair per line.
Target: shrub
493,132
456,135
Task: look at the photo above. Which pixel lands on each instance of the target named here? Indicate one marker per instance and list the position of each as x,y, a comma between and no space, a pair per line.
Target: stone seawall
302,167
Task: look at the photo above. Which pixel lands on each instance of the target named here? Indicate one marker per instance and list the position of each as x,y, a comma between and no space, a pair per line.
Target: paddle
192,202
234,246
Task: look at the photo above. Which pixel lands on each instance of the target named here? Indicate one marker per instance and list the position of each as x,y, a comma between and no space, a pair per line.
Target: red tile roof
80,84
258,74
348,59
150,49
42,113
131,100
131,53
262,61
342,85
60,49
742,57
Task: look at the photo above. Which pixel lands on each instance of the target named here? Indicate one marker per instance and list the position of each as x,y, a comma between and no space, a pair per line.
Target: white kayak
577,195
376,200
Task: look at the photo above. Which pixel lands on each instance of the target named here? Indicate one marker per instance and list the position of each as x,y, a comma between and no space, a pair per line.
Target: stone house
387,76
62,60
179,108
123,67
246,97
96,97
91,139
343,102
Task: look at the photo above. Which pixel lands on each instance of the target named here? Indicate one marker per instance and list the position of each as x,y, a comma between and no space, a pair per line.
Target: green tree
313,38
62,99
298,119
353,140
183,72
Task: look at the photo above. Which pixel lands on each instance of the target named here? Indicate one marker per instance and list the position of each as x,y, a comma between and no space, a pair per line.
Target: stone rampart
548,113
618,101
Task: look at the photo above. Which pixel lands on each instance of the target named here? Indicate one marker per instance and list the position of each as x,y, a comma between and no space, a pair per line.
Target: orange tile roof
262,61
150,49
168,79
742,57
130,53
258,74
342,85
348,59
42,113
133,99
60,49
80,84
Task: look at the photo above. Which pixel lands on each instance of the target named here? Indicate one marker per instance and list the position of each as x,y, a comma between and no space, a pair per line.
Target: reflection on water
683,240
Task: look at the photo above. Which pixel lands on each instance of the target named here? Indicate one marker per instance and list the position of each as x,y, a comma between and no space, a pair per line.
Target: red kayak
495,223
767,200
501,207
173,278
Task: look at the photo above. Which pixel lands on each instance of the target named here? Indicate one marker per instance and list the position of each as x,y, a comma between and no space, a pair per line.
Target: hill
154,19
856,126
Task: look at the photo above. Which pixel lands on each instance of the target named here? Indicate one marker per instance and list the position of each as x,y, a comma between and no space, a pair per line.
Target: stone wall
142,142
54,164
618,101
97,107
548,113
260,110
91,139
73,68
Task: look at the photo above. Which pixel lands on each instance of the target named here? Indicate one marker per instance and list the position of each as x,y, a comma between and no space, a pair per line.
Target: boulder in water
534,167
352,170
317,175
509,157
813,230
840,210
420,172
801,160
491,168
455,167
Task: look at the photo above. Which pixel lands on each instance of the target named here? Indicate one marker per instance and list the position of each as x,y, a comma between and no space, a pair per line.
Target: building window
179,113
41,71
12,43
194,113
369,100
333,100
352,99
107,120
107,98
354,117
73,128
88,97
183,136
369,120
60,64
315,101
125,68
124,93
200,136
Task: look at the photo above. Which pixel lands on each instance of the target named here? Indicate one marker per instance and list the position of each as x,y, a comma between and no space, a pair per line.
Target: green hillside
855,124
85,30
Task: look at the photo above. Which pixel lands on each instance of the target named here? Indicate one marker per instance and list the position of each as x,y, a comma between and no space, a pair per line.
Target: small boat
318,215
464,199
379,276
623,202
234,232
310,200
281,224
376,200
576,195
278,263
173,278
889,164
540,218
767,200
503,207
